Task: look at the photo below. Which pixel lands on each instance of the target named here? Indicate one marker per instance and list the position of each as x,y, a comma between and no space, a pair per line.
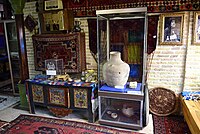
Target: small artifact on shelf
64,77
133,84
111,114
114,115
127,110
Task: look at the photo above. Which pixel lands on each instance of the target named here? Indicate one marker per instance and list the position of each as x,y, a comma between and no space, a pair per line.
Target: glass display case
123,31
11,45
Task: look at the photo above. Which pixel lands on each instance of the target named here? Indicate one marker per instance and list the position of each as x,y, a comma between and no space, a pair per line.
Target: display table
63,95
191,112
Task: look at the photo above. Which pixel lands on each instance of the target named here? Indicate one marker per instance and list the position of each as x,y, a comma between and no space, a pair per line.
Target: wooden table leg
30,98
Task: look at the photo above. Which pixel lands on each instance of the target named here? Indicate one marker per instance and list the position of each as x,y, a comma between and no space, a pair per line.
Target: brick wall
175,67
30,9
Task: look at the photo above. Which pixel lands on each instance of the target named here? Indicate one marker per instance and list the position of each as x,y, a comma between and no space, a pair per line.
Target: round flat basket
163,101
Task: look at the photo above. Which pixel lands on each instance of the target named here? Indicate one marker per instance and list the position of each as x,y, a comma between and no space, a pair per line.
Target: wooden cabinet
63,97
69,47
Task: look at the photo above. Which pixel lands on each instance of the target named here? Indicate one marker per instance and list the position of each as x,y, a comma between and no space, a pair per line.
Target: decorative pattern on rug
7,101
70,48
170,125
89,7
27,124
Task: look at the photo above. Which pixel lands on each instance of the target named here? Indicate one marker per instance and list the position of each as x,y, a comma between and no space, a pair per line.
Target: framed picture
171,29
196,30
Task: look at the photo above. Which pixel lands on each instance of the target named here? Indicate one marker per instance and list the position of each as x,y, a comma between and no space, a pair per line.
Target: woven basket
163,101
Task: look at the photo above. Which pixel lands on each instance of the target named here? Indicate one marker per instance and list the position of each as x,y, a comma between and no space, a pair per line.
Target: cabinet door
58,96
80,97
13,53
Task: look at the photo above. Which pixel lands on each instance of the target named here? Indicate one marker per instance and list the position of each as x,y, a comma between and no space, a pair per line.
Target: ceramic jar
115,71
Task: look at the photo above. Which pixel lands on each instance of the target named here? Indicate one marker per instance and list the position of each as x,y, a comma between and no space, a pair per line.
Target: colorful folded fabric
191,95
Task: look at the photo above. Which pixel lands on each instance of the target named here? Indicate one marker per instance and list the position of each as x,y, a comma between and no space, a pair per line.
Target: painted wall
175,67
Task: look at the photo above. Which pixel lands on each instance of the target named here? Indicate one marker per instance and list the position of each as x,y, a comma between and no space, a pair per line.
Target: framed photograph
196,30
171,29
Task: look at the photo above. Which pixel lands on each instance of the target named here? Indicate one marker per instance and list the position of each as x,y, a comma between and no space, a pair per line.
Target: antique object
163,101
69,47
115,71
128,110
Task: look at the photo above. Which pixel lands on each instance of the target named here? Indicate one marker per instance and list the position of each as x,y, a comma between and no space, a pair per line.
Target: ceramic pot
115,71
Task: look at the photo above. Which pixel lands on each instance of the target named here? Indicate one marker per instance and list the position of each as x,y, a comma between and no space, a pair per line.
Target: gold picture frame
196,29
171,30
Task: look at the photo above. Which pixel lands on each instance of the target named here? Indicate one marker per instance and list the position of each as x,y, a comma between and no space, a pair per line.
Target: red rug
28,124
170,125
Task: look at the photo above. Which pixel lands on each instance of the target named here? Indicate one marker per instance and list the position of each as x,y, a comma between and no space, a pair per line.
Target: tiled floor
11,113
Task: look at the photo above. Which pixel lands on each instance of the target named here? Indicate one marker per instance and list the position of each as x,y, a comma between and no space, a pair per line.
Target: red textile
170,125
28,124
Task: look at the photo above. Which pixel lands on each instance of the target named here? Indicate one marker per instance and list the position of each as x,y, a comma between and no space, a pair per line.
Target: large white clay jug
115,71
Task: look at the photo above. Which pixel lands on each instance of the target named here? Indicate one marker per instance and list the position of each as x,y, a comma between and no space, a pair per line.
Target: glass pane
14,54
121,110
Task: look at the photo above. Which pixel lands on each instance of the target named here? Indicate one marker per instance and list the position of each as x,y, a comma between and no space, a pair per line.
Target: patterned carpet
28,124
170,125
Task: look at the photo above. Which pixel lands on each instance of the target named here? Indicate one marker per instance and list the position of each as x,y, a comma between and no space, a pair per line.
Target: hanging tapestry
89,7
